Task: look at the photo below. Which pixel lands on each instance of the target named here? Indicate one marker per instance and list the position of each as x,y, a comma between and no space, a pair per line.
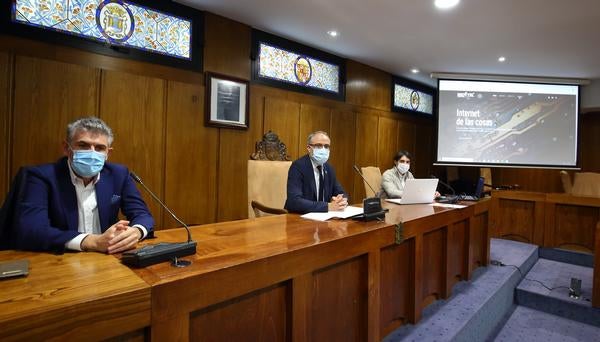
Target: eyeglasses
319,146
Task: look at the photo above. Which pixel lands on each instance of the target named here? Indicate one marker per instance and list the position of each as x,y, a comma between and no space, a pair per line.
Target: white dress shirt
316,174
88,221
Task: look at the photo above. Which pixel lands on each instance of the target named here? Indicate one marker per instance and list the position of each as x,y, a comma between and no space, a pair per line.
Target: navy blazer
46,217
301,187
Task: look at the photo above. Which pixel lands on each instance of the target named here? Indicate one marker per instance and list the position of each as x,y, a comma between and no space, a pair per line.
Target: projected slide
507,123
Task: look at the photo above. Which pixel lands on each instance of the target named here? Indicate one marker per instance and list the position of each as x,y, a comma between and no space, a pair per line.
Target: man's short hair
89,124
310,136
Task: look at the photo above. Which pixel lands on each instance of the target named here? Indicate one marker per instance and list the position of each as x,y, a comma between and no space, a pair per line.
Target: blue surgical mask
87,163
403,168
320,155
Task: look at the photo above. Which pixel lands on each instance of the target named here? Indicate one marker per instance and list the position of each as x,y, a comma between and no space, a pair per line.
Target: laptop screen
479,188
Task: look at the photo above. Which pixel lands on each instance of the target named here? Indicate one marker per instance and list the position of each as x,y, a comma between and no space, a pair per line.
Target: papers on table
343,214
448,205
393,200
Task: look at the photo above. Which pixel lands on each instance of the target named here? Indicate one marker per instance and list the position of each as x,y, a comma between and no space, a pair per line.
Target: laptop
478,192
418,191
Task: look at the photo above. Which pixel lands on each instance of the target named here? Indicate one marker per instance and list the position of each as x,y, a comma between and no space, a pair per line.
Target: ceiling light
332,33
414,70
501,59
446,4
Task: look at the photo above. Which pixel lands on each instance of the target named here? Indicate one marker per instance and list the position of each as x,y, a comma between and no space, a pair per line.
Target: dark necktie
321,185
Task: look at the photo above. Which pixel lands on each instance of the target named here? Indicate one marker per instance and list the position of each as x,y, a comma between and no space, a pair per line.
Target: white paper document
448,205
343,214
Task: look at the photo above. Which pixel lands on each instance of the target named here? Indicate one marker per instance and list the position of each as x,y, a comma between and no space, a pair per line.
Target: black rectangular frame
417,86
519,166
7,26
276,41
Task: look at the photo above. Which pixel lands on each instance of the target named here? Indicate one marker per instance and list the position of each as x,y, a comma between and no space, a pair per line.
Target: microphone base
378,216
157,253
449,199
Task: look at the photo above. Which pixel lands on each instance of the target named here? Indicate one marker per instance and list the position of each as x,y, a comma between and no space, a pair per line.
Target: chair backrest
9,207
267,184
565,178
586,184
373,175
267,177
486,173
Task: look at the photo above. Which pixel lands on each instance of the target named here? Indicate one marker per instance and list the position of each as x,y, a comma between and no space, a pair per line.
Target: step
476,307
554,297
529,325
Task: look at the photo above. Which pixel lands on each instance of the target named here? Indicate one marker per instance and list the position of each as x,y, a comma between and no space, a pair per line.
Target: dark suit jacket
46,216
301,187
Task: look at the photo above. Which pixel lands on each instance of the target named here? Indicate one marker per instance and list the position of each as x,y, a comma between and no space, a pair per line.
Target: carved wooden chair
267,177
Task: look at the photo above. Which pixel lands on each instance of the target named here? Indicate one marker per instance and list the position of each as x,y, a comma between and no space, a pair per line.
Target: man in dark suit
74,203
311,185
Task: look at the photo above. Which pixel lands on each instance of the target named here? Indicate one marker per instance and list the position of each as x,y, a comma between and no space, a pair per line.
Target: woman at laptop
393,180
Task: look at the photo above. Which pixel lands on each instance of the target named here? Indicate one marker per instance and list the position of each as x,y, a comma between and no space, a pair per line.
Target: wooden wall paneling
374,297
478,237
134,107
590,140
235,148
5,111
312,118
367,86
258,316
61,53
396,286
424,154
540,180
574,227
366,149
515,220
226,46
596,285
47,96
434,267
387,142
456,258
340,292
407,138
190,157
283,117
343,140
301,307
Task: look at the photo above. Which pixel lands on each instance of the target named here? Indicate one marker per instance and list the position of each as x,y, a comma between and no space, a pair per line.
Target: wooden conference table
275,278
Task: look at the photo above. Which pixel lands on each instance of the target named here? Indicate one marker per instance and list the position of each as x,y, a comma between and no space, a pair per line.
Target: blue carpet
557,276
477,307
530,325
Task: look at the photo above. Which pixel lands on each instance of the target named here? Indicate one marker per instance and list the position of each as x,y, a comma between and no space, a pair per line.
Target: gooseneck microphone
371,206
164,251
451,199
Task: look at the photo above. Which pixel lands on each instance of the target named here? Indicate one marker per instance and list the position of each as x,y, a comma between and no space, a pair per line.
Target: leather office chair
586,184
373,175
267,177
565,178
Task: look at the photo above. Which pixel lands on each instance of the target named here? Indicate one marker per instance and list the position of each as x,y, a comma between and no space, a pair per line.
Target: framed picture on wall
227,101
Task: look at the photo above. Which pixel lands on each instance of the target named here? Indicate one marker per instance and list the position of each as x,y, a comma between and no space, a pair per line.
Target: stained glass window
412,99
290,67
112,21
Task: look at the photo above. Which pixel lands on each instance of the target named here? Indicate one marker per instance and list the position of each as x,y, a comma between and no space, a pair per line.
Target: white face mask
403,168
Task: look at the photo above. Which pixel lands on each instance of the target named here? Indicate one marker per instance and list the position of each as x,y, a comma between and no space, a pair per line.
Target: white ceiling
547,38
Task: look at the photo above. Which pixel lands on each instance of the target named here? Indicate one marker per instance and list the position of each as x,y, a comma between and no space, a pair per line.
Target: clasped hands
337,203
118,238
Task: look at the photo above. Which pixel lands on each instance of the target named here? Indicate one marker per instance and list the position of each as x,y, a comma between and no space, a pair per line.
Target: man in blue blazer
312,185
74,203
